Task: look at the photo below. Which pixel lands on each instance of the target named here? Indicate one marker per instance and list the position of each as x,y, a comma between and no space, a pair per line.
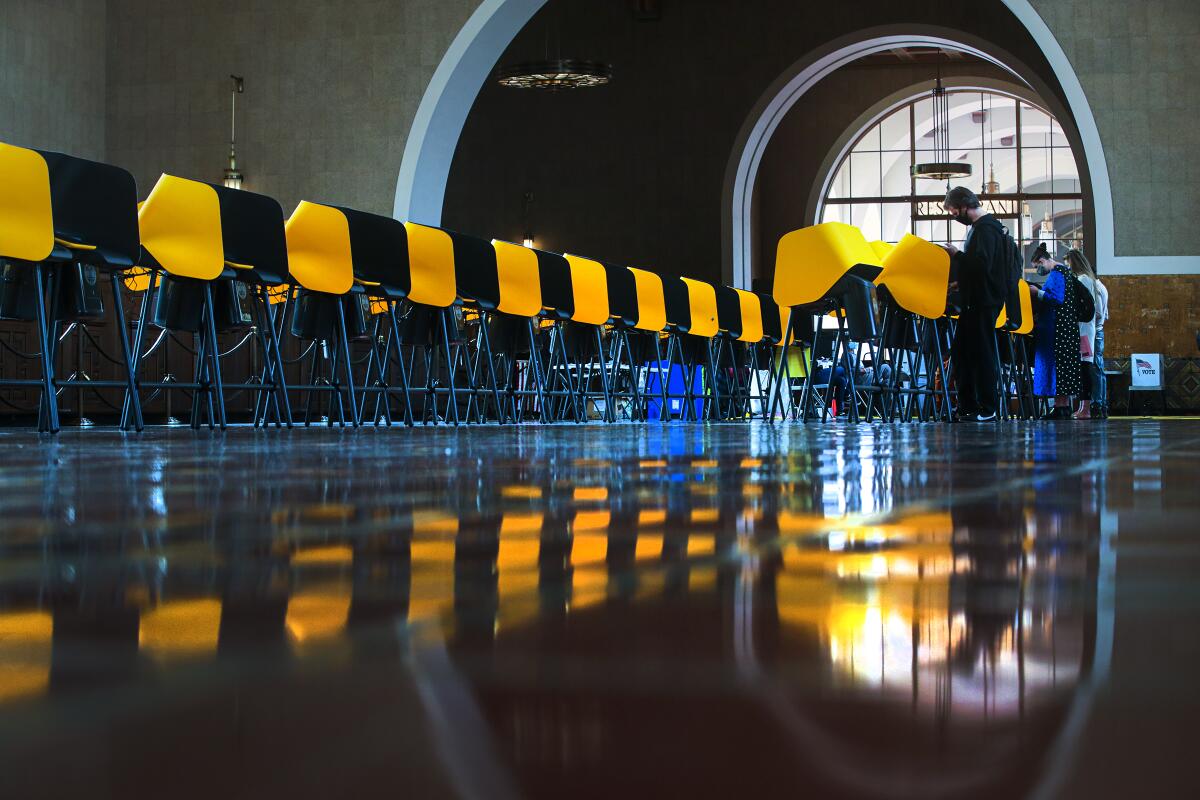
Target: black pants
976,370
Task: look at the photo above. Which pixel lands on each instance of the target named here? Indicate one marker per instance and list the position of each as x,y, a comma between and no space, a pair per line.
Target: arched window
1022,168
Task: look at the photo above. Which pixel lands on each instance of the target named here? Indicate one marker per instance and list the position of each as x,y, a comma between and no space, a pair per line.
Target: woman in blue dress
1056,336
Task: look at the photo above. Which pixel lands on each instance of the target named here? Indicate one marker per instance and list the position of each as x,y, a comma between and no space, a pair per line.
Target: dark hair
961,197
1041,253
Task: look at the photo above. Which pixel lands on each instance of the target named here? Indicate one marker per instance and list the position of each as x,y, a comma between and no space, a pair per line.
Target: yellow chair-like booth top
519,279
882,249
917,273
589,282
180,225
652,303
785,319
320,257
752,321
811,260
702,303
26,213
1026,295
431,266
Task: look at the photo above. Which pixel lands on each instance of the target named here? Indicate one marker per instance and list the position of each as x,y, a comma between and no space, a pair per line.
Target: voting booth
1146,383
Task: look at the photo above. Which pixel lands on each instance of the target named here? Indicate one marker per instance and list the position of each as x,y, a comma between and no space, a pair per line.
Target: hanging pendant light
233,176
992,186
555,74
941,168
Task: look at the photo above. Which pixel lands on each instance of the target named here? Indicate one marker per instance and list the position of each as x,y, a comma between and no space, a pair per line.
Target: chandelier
941,168
552,72
555,75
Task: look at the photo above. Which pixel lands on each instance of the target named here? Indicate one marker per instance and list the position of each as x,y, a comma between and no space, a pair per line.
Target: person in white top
1100,389
1082,269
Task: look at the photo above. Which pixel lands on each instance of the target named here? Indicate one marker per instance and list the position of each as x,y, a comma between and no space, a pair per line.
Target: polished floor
623,611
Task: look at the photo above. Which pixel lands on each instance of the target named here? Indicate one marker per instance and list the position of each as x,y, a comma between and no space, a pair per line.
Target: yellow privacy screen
917,273
318,243
1026,309
702,301
180,224
431,266
882,249
26,216
590,283
519,280
752,321
811,260
652,306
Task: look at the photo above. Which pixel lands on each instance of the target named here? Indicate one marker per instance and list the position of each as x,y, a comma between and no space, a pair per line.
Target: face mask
962,218
1044,270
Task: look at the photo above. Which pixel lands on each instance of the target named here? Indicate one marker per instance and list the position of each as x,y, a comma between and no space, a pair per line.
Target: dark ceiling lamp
555,74
941,168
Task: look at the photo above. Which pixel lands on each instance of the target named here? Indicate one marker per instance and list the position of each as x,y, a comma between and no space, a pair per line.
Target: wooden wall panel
1152,314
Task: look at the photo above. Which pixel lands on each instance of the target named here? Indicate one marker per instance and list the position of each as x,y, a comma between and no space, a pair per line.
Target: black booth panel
379,246
95,204
554,272
679,310
475,269
729,310
622,293
252,232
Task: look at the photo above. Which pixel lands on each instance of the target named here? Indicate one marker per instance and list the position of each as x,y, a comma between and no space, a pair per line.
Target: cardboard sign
1145,371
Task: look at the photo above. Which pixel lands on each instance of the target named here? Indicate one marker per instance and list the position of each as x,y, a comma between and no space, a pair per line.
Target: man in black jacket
981,270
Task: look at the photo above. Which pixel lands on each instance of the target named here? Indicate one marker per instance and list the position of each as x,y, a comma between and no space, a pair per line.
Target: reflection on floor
624,611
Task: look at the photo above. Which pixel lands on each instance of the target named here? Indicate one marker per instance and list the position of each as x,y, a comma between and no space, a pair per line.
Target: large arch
742,169
889,103
429,150
425,169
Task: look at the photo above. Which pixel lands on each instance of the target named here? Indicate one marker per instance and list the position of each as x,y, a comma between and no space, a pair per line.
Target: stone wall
1152,314
52,75
1137,63
332,87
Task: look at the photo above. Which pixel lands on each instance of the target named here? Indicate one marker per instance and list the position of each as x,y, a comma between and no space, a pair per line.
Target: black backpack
1085,304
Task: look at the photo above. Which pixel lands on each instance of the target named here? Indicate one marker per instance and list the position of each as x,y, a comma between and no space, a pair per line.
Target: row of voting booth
398,322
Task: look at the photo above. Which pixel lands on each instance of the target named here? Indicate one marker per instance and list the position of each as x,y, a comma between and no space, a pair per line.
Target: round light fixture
942,170
555,75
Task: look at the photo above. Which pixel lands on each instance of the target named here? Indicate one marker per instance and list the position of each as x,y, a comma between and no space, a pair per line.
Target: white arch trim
742,170
429,150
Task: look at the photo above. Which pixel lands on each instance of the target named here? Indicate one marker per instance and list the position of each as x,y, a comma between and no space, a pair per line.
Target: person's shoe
965,416
1057,413
986,418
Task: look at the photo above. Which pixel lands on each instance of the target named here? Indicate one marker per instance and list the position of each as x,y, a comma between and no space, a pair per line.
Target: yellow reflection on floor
317,614
24,654
517,563
181,628
649,545
431,592
332,554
